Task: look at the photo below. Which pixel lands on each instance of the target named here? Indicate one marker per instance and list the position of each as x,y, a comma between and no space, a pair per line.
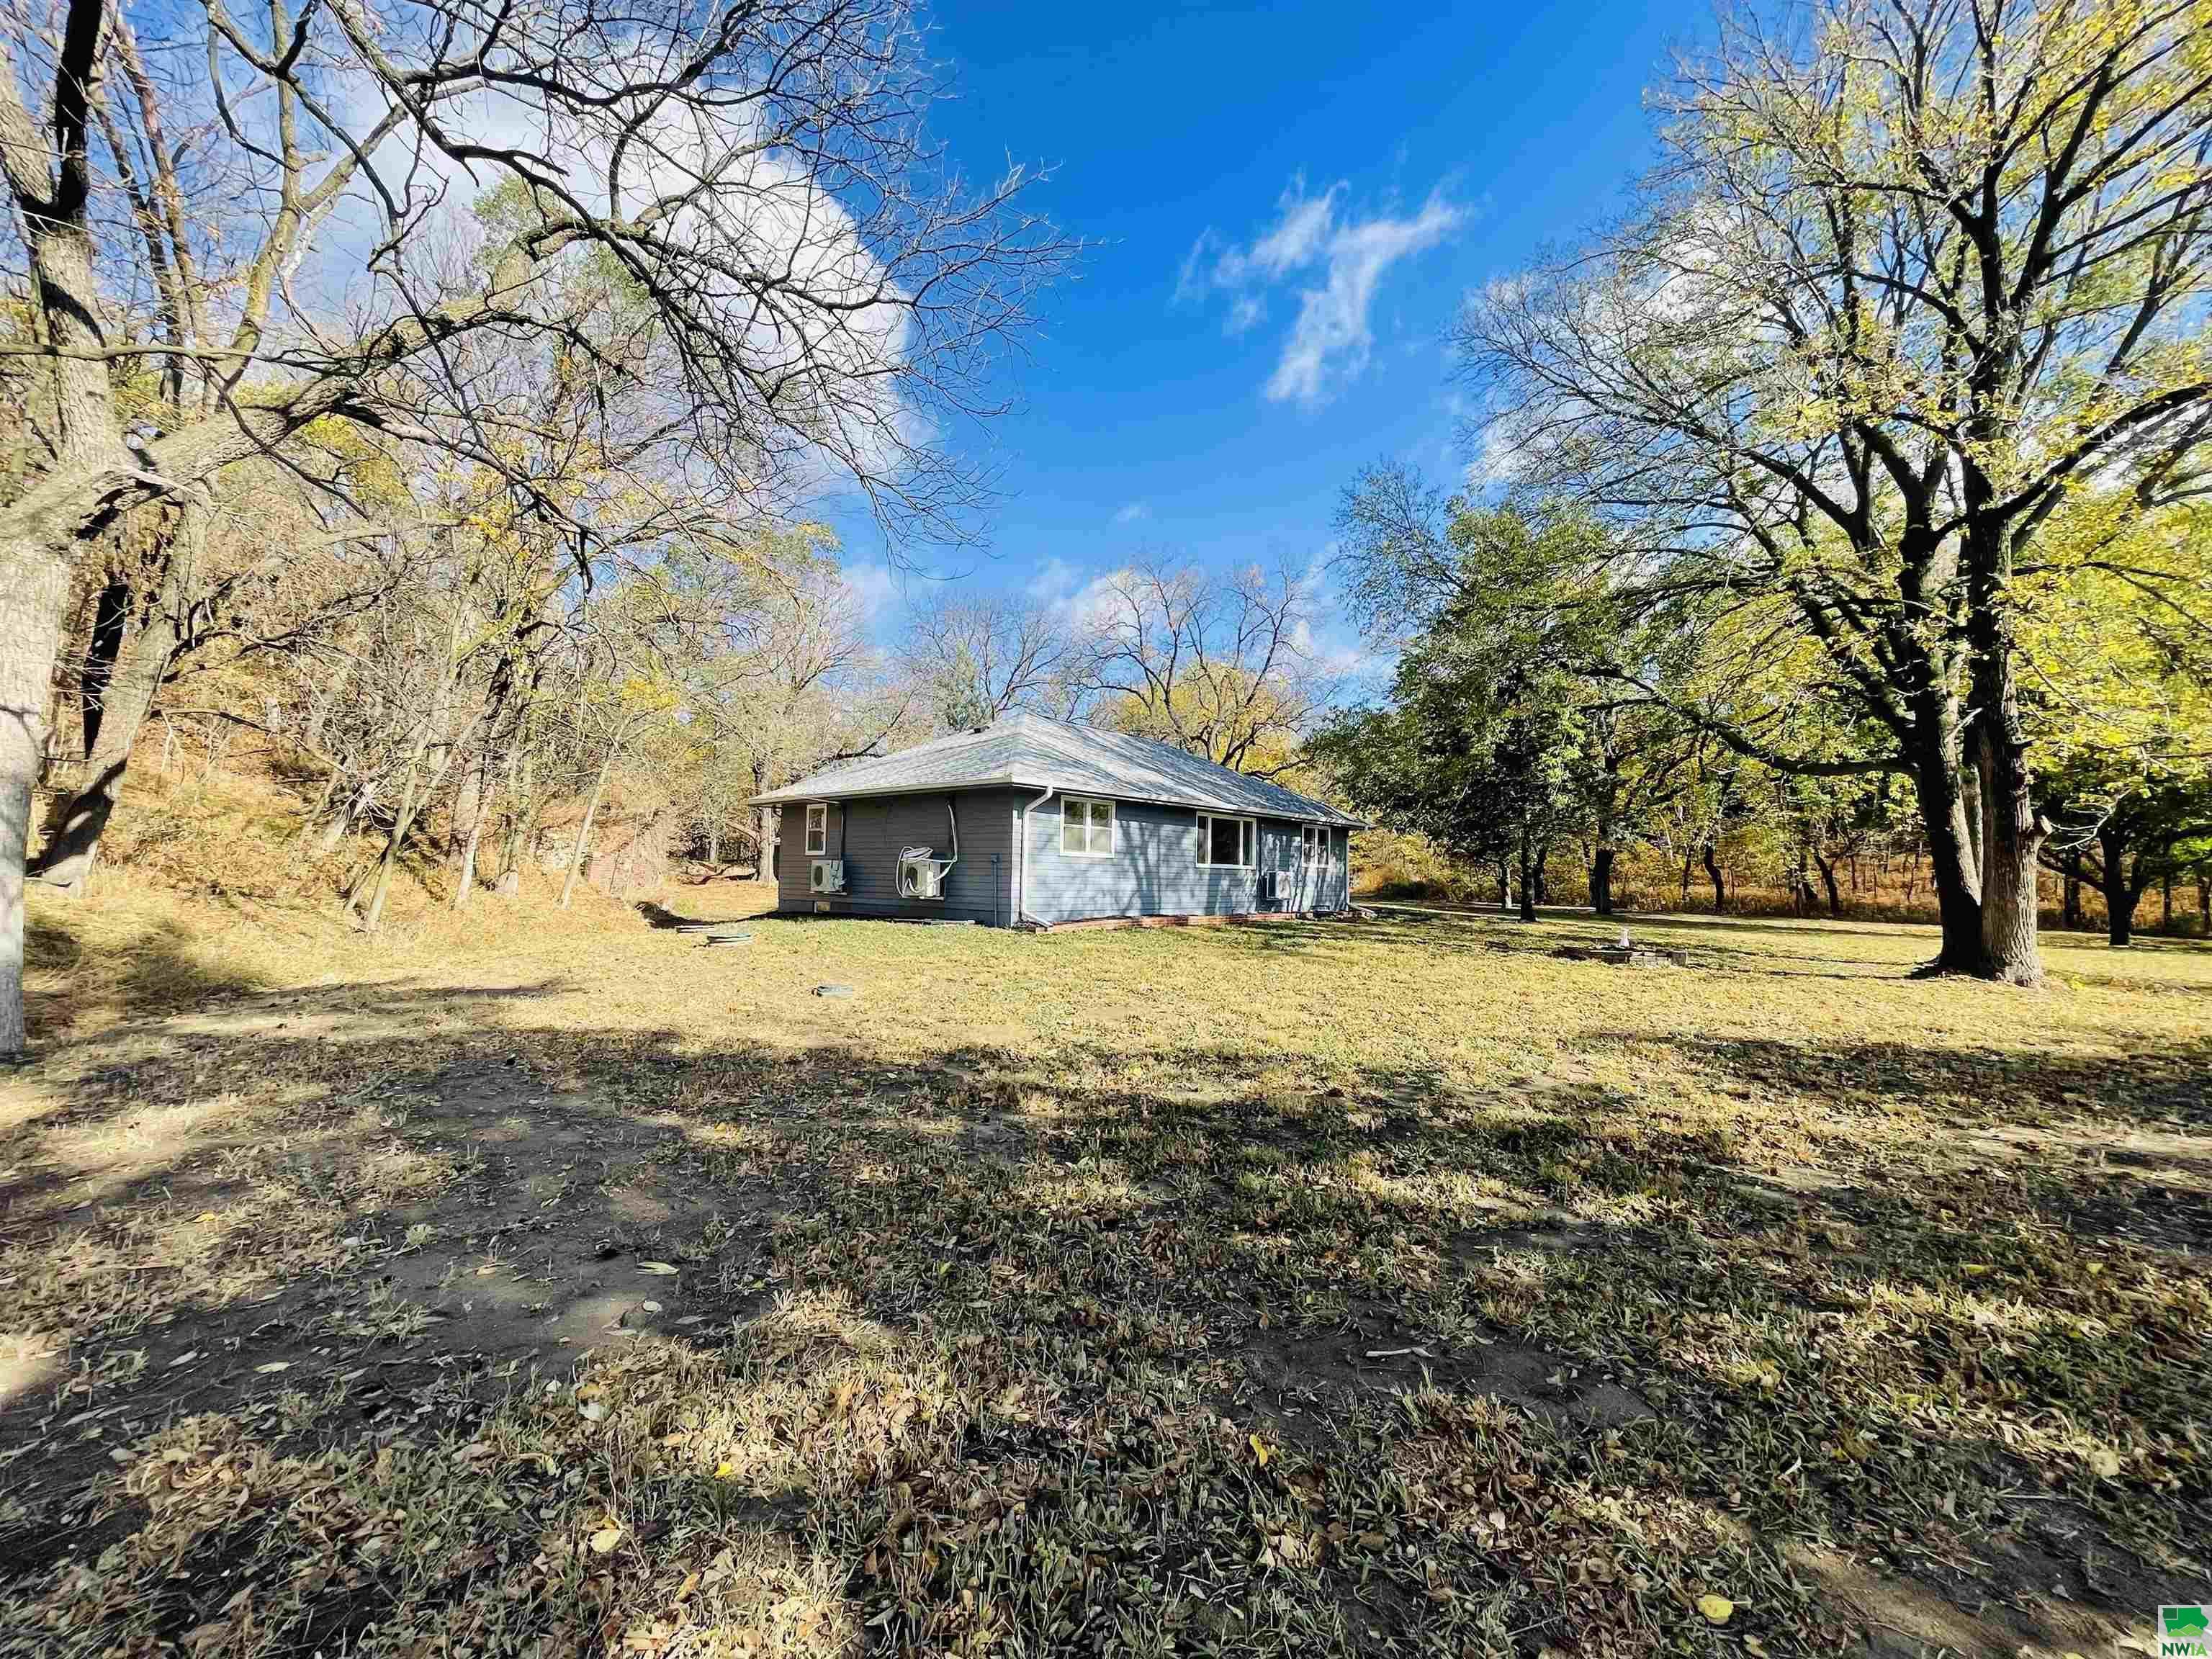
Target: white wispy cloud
1054,580
875,589
1134,511
1341,259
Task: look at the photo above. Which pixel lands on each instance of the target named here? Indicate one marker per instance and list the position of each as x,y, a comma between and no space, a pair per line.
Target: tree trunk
1600,881
2166,900
47,523
2120,899
1543,864
1689,862
1953,869
33,599
714,847
373,884
466,885
2204,900
1713,874
132,682
1528,876
2119,893
584,829
2070,913
2012,844
1827,868
1504,886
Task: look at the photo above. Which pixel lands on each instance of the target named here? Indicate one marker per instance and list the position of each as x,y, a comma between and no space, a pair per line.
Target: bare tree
1220,664
978,657
726,219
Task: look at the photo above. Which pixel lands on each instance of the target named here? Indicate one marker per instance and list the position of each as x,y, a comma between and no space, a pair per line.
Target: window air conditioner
826,876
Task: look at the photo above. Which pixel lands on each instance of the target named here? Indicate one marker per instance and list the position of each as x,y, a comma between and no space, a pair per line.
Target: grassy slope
1037,1286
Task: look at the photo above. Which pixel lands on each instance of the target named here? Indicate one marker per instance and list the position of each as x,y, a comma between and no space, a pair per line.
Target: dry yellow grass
1329,1287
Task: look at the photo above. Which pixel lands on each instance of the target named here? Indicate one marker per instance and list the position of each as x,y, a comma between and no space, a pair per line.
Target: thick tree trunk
2120,893
2120,899
2013,832
2070,913
714,847
1528,876
1713,874
33,599
1504,887
46,525
2012,845
1952,868
766,860
1600,881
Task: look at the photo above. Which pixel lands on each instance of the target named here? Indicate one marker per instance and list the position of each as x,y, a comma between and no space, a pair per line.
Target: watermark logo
2184,1633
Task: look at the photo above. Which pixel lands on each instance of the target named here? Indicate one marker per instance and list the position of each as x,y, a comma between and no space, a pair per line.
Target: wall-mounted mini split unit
826,876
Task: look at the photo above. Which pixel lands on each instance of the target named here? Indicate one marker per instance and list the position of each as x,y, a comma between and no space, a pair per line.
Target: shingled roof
1028,751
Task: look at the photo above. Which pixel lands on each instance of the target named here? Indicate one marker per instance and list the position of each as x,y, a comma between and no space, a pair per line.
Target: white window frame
1090,803
1248,841
817,828
1313,846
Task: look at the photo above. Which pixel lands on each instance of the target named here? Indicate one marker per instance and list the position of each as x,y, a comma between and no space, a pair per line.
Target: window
1311,847
1086,827
817,829
1224,840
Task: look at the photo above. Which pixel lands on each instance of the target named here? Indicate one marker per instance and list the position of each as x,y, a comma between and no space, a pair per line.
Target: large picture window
817,829
1227,841
1086,827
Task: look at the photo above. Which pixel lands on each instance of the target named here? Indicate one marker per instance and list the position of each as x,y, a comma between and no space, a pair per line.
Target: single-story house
1031,821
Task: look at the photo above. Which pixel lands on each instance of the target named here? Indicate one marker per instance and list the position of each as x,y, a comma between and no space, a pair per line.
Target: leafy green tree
1912,302
1428,568
1479,750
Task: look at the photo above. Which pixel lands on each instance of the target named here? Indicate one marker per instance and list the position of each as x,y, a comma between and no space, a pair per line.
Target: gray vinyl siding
868,834
1154,870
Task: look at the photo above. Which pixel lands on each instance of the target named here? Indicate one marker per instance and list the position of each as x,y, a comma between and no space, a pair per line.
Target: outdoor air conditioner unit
920,876
826,876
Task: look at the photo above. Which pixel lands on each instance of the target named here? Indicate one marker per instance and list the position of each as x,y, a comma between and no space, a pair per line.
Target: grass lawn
1383,1287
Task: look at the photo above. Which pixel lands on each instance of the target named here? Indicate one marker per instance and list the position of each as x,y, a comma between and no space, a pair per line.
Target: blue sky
1284,204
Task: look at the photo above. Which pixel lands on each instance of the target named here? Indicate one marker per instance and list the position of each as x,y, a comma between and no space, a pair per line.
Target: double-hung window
817,829
1225,841
1312,848
1086,827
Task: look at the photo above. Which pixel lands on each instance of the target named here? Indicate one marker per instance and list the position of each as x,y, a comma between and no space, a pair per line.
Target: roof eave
797,797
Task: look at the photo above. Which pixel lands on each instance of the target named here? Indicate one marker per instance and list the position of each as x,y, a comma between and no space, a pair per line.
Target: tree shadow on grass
1275,1352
